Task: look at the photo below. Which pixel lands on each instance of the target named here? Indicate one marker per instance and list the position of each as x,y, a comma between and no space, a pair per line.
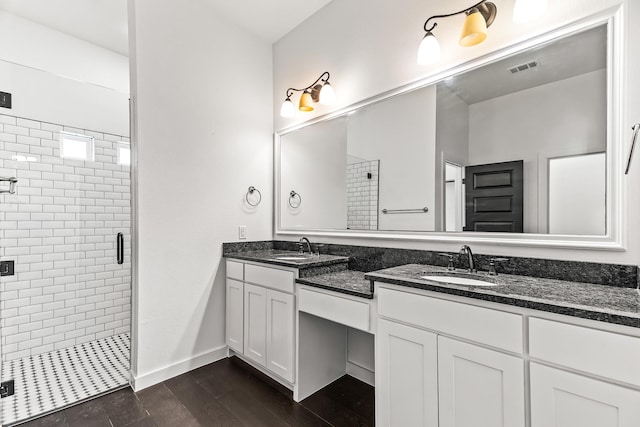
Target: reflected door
494,197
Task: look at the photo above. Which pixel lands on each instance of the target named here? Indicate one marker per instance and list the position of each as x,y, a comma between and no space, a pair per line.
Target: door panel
564,399
406,376
255,323
280,333
479,387
494,197
235,315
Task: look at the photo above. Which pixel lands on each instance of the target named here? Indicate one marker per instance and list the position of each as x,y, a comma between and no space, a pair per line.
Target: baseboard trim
151,378
363,374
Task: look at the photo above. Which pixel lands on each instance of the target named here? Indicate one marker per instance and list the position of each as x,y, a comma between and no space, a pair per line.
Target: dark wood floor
225,393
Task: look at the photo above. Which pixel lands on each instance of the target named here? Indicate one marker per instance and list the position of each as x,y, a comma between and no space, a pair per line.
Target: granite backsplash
369,258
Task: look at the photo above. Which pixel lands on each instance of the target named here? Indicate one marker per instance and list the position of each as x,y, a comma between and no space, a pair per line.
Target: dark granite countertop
293,259
347,282
596,302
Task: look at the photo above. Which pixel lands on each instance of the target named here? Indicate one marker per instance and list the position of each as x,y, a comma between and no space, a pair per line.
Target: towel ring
292,197
250,191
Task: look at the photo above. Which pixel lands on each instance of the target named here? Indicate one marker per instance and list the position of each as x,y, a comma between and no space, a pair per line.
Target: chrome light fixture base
489,11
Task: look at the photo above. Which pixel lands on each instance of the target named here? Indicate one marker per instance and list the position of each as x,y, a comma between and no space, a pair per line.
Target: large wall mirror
520,147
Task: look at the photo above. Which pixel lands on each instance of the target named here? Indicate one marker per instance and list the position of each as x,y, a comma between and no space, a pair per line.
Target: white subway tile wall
60,228
362,195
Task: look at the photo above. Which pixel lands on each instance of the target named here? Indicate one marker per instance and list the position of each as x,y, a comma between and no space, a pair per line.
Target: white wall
203,128
315,165
577,194
57,78
557,119
43,48
46,97
400,132
378,55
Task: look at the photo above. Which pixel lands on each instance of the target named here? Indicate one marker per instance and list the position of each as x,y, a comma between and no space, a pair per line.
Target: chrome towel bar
394,211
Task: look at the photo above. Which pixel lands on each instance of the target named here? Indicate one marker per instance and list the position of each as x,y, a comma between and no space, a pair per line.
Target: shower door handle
120,248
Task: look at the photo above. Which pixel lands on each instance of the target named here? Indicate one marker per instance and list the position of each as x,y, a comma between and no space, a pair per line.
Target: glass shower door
65,311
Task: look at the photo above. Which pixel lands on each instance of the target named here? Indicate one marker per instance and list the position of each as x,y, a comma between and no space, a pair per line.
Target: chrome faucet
302,241
465,249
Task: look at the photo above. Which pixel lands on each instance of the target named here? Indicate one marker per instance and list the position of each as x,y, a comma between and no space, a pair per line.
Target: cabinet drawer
235,270
337,309
486,326
598,352
274,278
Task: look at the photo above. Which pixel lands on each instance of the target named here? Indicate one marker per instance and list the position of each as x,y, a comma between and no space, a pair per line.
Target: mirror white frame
614,238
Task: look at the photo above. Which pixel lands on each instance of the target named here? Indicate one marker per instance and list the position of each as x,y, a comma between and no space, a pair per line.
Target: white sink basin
454,280
292,258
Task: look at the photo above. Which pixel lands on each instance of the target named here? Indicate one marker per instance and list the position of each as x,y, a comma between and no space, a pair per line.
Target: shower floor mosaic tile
54,380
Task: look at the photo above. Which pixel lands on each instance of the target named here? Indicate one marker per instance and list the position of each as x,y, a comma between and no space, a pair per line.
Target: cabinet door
560,398
406,376
280,333
479,387
235,315
255,323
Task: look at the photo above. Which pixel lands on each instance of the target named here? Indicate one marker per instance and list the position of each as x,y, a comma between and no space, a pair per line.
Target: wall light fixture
474,30
318,91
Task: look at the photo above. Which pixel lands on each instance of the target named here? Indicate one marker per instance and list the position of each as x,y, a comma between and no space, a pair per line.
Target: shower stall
65,236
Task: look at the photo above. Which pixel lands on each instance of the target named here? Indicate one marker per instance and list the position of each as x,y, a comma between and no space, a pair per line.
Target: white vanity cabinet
447,361
261,316
575,399
426,377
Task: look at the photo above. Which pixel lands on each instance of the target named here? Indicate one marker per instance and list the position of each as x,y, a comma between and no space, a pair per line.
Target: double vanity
509,150
507,350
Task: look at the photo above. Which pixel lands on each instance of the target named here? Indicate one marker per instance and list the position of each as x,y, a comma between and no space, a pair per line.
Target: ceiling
561,59
104,22
101,22
268,19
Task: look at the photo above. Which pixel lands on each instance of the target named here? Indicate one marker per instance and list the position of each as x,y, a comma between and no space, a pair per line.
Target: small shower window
75,146
124,153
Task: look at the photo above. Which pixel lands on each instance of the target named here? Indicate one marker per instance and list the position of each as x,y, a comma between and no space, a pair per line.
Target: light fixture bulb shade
474,29
429,50
306,102
287,109
528,10
327,94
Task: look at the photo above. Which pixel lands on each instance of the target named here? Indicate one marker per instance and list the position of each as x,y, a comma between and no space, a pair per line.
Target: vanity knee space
296,335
